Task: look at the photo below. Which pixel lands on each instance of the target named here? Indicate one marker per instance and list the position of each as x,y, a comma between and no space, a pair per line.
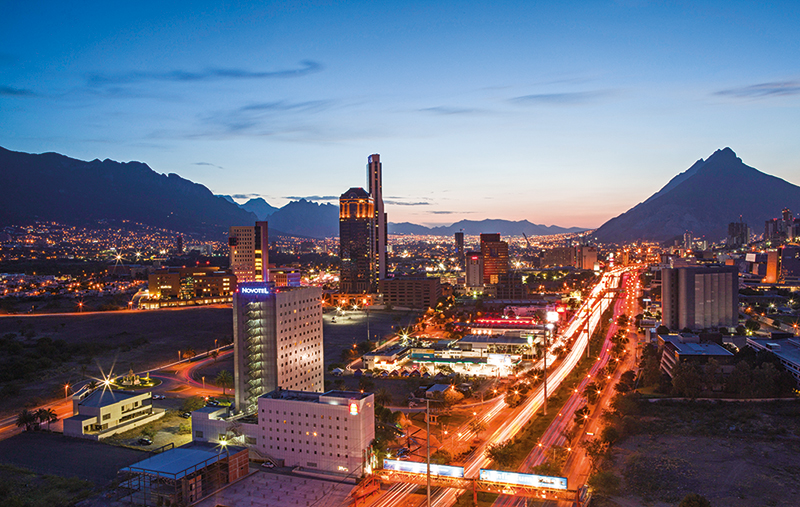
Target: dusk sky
564,114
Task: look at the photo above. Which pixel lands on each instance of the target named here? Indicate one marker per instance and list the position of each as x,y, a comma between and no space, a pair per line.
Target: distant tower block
249,252
375,181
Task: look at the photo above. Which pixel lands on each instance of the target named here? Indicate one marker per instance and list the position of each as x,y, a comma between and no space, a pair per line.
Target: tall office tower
495,258
249,252
585,256
474,269
700,298
687,240
788,223
460,249
357,230
738,233
277,341
375,181
179,244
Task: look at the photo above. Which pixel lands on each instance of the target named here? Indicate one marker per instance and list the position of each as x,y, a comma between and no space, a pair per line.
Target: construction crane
526,239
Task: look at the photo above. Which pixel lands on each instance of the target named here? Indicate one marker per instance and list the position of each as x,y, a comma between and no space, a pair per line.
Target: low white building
106,412
330,432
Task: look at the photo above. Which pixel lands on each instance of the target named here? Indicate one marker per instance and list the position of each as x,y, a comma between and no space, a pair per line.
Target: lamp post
551,318
66,387
428,444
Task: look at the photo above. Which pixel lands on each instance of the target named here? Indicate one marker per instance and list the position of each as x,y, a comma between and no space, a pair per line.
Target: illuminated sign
552,316
498,360
253,288
536,481
353,408
415,467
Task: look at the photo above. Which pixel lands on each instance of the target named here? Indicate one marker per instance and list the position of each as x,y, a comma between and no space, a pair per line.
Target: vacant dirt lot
734,454
140,340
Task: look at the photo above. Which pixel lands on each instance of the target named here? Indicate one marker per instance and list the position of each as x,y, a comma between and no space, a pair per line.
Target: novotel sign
255,289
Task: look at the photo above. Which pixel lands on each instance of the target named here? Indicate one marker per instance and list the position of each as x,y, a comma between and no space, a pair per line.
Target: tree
189,353
46,416
662,329
383,397
581,415
604,483
609,435
752,325
501,453
365,384
215,355
224,380
192,403
441,457
694,500
686,380
591,392
477,426
451,397
26,418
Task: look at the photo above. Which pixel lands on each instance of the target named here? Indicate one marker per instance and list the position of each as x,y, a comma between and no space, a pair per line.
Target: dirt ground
734,454
166,332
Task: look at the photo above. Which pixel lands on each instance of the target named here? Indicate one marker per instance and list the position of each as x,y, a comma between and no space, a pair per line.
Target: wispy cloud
209,164
450,212
565,98
405,203
450,110
10,91
213,74
245,196
252,118
777,88
313,197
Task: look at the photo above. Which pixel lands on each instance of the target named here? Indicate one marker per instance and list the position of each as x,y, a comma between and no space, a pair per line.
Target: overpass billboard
416,467
536,481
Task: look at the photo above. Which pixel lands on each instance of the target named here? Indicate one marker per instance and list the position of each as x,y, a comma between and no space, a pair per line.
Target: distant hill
306,218
54,187
474,227
703,200
258,206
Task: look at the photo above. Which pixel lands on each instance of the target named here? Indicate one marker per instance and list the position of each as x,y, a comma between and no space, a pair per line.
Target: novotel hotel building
277,341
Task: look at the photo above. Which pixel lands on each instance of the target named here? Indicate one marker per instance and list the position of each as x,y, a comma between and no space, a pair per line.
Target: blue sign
416,467
255,288
536,481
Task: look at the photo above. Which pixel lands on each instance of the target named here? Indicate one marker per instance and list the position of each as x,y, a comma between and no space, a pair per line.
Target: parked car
268,464
186,415
212,403
158,397
145,441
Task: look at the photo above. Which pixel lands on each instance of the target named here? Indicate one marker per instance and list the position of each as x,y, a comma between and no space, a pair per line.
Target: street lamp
66,387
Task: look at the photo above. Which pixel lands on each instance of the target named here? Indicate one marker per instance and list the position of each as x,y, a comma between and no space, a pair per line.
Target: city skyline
558,114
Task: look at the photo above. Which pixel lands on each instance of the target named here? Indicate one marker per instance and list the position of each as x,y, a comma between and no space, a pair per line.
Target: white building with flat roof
106,412
277,341
329,432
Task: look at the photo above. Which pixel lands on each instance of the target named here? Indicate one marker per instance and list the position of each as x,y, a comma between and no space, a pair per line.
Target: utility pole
428,440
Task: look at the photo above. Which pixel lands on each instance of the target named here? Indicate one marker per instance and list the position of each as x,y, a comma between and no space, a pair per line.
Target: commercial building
249,252
105,412
285,277
785,349
387,359
381,236
411,291
474,269
191,283
586,257
687,347
738,234
330,432
459,241
578,256
357,242
700,297
277,341
495,258
182,475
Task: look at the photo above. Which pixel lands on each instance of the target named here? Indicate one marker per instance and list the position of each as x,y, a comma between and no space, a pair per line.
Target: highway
589,313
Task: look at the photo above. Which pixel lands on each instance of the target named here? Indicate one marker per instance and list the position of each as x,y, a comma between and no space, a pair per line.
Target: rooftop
789,347
309,397
497,338
104,397
695,349
181,461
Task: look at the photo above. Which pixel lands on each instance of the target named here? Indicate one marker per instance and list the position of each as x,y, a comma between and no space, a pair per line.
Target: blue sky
564,113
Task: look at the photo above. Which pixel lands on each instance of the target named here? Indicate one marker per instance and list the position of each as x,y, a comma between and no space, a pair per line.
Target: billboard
537,481
416,467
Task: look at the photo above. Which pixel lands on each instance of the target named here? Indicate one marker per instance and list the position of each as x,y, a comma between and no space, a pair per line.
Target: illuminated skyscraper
357,242
277,341
495,258
460,249
375,182
249,252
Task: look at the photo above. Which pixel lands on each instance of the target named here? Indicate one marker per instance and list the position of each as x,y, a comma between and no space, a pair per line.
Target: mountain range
703,200
53,187
475,227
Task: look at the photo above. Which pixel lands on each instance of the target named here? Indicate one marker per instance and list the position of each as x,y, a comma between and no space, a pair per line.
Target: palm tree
45,415
26,418
215,355
383,397
477,426
224,379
